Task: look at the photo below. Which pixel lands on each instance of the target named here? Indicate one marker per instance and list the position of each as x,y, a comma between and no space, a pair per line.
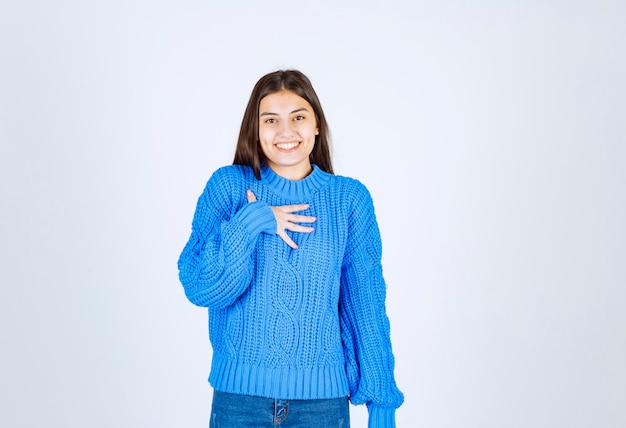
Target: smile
286,147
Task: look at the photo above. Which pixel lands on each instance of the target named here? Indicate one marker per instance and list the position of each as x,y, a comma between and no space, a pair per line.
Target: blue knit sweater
293,324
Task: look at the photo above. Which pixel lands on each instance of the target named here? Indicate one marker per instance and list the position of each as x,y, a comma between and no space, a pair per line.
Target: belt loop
281,409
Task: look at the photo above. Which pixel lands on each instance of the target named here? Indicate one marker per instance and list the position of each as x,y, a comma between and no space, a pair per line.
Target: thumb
250,196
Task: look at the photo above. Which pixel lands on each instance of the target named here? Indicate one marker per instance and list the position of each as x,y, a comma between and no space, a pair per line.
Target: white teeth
286,146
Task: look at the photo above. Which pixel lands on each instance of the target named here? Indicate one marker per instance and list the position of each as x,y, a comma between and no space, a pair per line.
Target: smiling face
287,130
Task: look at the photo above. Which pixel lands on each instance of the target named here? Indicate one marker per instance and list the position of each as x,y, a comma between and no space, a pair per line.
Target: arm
364,322
215,266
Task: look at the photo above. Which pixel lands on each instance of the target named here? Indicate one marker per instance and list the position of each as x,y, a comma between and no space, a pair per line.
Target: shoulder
223,194
224,187
362,227
232,173
228,177
352,189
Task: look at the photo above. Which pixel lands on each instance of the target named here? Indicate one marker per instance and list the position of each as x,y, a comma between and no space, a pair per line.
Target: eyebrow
276,114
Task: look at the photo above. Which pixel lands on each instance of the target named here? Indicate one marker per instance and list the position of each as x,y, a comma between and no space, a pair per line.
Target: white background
491,135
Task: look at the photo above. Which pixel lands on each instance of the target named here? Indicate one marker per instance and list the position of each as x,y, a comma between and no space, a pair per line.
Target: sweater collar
298,190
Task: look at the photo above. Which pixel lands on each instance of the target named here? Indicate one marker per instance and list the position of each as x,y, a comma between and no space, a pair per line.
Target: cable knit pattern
293,324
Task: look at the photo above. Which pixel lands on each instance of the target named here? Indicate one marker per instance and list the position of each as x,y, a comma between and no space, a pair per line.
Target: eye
270,120
299,117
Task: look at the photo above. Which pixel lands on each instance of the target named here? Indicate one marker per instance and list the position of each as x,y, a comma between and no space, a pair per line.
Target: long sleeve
364,322
216,266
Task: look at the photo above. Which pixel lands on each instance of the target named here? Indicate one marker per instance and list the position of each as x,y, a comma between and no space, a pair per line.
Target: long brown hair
248,150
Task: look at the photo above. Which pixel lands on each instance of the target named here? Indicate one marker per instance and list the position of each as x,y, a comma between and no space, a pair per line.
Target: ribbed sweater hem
296,190
280,383
257,217
381,417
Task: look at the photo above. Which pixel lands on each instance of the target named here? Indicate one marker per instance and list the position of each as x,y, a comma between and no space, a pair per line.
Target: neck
294,190
297,172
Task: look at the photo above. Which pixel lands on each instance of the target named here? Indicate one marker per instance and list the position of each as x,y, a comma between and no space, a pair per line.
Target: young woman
286,256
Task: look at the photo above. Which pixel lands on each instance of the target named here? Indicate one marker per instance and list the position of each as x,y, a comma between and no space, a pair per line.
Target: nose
286,129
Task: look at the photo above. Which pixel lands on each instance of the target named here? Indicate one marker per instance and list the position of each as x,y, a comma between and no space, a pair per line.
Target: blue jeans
244,411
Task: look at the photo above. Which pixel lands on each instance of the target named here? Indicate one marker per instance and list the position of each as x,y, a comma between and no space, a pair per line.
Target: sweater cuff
381,417
256,217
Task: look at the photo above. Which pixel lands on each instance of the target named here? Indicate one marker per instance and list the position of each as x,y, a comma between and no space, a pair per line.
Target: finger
288,240
285,217
297,228
293,208
302,218
250,196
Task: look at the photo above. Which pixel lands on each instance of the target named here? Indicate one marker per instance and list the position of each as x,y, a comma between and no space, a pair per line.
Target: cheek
306,130
264,136
313,132
266,140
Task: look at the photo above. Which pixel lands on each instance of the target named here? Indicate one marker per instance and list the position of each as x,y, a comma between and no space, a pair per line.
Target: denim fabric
244,411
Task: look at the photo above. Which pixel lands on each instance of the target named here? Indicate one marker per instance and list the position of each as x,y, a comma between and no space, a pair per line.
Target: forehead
283,100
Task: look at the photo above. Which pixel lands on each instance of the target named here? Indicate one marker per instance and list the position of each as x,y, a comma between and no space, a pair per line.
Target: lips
287,147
